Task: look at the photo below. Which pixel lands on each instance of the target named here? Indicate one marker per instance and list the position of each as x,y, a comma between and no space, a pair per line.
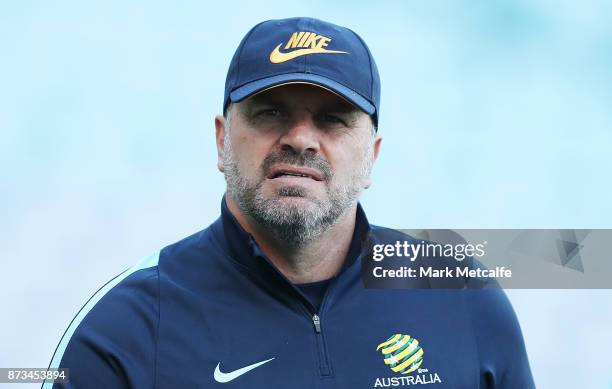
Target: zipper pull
316,320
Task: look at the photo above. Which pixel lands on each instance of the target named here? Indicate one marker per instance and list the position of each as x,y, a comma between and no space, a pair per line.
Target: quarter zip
324,366
316,320
314,316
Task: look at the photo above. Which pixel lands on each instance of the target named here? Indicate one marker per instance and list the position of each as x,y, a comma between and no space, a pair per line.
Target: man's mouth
294,171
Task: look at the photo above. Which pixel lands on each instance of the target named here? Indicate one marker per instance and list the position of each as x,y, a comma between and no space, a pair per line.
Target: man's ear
220,139
377,142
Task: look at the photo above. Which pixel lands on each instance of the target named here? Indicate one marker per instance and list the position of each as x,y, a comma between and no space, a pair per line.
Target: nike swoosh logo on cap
276,56
227,377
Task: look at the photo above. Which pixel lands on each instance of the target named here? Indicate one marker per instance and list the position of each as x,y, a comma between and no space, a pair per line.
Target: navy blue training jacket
210,311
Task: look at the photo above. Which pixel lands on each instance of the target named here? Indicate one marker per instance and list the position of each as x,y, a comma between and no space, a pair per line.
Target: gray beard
294,226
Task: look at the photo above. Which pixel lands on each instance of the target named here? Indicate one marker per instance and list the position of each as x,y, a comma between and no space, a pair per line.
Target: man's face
296,157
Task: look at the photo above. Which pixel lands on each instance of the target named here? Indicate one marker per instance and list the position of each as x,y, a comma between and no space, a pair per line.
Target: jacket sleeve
111,343
501,348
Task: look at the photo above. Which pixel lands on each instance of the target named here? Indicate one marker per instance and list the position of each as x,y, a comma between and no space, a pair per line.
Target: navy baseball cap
304,50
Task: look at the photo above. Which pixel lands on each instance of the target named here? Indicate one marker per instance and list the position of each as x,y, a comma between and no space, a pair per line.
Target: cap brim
257,86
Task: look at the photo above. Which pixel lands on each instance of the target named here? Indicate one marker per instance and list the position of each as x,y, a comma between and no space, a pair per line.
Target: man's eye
327,118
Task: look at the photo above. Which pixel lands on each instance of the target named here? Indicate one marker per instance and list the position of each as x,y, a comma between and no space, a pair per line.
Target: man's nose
301,136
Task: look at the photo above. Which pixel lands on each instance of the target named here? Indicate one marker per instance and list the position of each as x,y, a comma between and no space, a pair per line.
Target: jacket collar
243,248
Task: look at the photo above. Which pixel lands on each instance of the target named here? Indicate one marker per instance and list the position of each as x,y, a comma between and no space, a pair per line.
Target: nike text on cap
308,50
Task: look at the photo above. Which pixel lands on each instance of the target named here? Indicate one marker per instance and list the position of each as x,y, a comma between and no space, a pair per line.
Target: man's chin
294,201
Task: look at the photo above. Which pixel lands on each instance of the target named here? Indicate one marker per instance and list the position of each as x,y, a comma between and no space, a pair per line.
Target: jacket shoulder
111,340
499,339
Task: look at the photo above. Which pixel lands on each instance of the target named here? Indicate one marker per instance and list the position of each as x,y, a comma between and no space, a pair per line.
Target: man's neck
318,260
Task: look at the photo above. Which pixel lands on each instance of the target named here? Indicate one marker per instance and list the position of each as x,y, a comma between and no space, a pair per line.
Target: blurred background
495,114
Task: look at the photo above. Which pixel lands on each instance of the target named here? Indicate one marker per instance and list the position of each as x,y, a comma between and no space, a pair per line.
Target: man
270,295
